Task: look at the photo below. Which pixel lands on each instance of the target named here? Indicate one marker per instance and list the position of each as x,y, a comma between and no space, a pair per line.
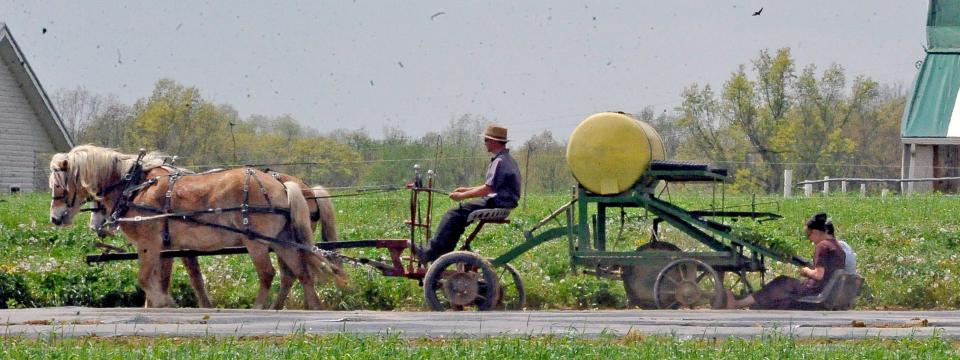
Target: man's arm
467,193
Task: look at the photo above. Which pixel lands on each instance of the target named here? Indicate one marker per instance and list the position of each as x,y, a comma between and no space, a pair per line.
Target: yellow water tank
608,152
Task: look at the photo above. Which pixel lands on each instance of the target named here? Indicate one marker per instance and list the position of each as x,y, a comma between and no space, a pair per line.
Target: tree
779,118
77,108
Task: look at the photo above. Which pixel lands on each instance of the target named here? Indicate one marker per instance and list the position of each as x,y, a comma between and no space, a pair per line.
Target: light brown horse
228,208
321,214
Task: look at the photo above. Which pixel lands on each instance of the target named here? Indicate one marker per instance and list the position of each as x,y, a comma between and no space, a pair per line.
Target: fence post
843,187
826,185
863,190
884,192
808,190
787,183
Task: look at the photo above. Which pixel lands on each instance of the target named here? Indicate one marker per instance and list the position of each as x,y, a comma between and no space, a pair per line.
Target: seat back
845,291
838,294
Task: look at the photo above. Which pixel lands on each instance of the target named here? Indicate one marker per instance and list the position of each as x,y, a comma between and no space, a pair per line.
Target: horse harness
132,183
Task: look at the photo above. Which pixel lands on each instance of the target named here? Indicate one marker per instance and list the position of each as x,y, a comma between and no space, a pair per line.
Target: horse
100,224
321,214
226,208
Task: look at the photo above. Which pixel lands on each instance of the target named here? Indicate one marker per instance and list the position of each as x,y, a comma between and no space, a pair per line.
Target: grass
631,346
907,251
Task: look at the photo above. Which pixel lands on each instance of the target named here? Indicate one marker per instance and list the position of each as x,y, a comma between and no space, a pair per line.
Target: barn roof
13,58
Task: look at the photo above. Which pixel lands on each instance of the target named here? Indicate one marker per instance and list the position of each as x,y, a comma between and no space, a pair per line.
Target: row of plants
906,246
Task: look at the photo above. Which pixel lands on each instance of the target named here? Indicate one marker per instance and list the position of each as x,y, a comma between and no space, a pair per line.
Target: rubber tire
435,272
518,284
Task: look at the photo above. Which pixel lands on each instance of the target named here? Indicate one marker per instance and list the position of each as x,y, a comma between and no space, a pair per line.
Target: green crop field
906,246
631,346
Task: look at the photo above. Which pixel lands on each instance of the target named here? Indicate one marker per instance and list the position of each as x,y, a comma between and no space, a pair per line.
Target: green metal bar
600,234
684,216
531,242
707,175
682,220
584,219
571,234
623,258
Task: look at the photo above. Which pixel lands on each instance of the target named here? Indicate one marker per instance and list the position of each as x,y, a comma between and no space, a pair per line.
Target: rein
132,186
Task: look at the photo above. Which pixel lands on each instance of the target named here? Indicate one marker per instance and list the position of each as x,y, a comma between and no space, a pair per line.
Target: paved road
78,321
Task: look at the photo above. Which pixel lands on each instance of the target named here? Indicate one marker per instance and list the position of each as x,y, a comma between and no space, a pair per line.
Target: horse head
67,194
99,224
88,173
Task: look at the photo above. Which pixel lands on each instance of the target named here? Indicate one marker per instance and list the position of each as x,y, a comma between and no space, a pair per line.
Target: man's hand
461,189
457,196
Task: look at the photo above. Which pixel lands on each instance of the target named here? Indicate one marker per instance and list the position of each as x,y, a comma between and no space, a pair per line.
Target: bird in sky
434,16
757,13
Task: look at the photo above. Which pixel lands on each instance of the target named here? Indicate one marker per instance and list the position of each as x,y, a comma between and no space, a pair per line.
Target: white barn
30,128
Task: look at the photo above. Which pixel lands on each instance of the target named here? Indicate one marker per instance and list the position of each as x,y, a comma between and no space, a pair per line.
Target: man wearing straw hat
500,189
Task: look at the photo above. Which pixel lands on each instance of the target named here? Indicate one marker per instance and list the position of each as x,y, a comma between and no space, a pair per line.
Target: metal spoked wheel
459,280
638,280
512,295
688,284
737,283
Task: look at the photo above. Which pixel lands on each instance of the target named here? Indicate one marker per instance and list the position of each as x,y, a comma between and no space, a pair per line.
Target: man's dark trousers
451,227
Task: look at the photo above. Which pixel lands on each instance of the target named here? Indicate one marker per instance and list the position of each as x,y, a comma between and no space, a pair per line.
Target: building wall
931,161
25,146
946,163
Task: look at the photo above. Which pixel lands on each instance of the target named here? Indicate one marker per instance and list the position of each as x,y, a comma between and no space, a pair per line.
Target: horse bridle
66,189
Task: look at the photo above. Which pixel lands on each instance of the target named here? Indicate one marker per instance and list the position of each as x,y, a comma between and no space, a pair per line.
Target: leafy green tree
777,119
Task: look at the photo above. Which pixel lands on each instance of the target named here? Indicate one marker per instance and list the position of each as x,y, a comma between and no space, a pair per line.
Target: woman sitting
850,263
781,293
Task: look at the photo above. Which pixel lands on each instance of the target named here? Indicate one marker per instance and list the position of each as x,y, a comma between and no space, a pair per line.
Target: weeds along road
79,321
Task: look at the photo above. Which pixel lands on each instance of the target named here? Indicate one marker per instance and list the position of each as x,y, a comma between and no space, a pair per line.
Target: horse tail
319,266
327,219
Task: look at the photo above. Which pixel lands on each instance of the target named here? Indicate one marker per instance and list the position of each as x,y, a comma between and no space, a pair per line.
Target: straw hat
496,133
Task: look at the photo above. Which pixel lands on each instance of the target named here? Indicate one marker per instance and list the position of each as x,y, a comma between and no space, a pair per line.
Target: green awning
943,25
932,110
932,105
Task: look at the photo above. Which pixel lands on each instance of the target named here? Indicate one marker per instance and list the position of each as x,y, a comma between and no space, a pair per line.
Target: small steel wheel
458,280
638,280
511,296
736,282
688,284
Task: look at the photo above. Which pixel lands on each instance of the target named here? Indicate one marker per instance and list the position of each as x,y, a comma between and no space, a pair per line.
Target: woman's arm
814,273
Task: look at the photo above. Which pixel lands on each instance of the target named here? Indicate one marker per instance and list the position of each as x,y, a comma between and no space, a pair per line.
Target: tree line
761,121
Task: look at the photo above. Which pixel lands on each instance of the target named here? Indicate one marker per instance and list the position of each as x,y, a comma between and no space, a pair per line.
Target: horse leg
166,273
297,263
260,255
192,266
286,283
150,277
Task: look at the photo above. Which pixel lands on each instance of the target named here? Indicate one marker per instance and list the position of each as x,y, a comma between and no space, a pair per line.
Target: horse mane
93,165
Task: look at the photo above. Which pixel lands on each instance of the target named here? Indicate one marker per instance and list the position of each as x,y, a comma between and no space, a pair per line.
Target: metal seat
490,215
837,294
485,216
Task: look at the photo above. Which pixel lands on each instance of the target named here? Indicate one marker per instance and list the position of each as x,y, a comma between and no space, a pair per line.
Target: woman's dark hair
830,229
818,222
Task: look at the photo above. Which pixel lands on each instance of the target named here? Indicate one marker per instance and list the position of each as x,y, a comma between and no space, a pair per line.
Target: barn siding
24,143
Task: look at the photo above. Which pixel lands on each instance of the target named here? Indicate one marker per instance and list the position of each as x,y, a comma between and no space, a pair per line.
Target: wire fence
549,171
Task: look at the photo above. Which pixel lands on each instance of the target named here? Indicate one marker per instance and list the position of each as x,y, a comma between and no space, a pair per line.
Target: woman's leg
777,294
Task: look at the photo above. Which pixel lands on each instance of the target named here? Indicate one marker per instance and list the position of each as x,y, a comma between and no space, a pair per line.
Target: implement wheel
458,280
638,280
511,296
688,284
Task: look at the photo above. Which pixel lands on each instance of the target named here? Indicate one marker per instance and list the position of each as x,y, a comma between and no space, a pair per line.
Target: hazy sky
532,66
